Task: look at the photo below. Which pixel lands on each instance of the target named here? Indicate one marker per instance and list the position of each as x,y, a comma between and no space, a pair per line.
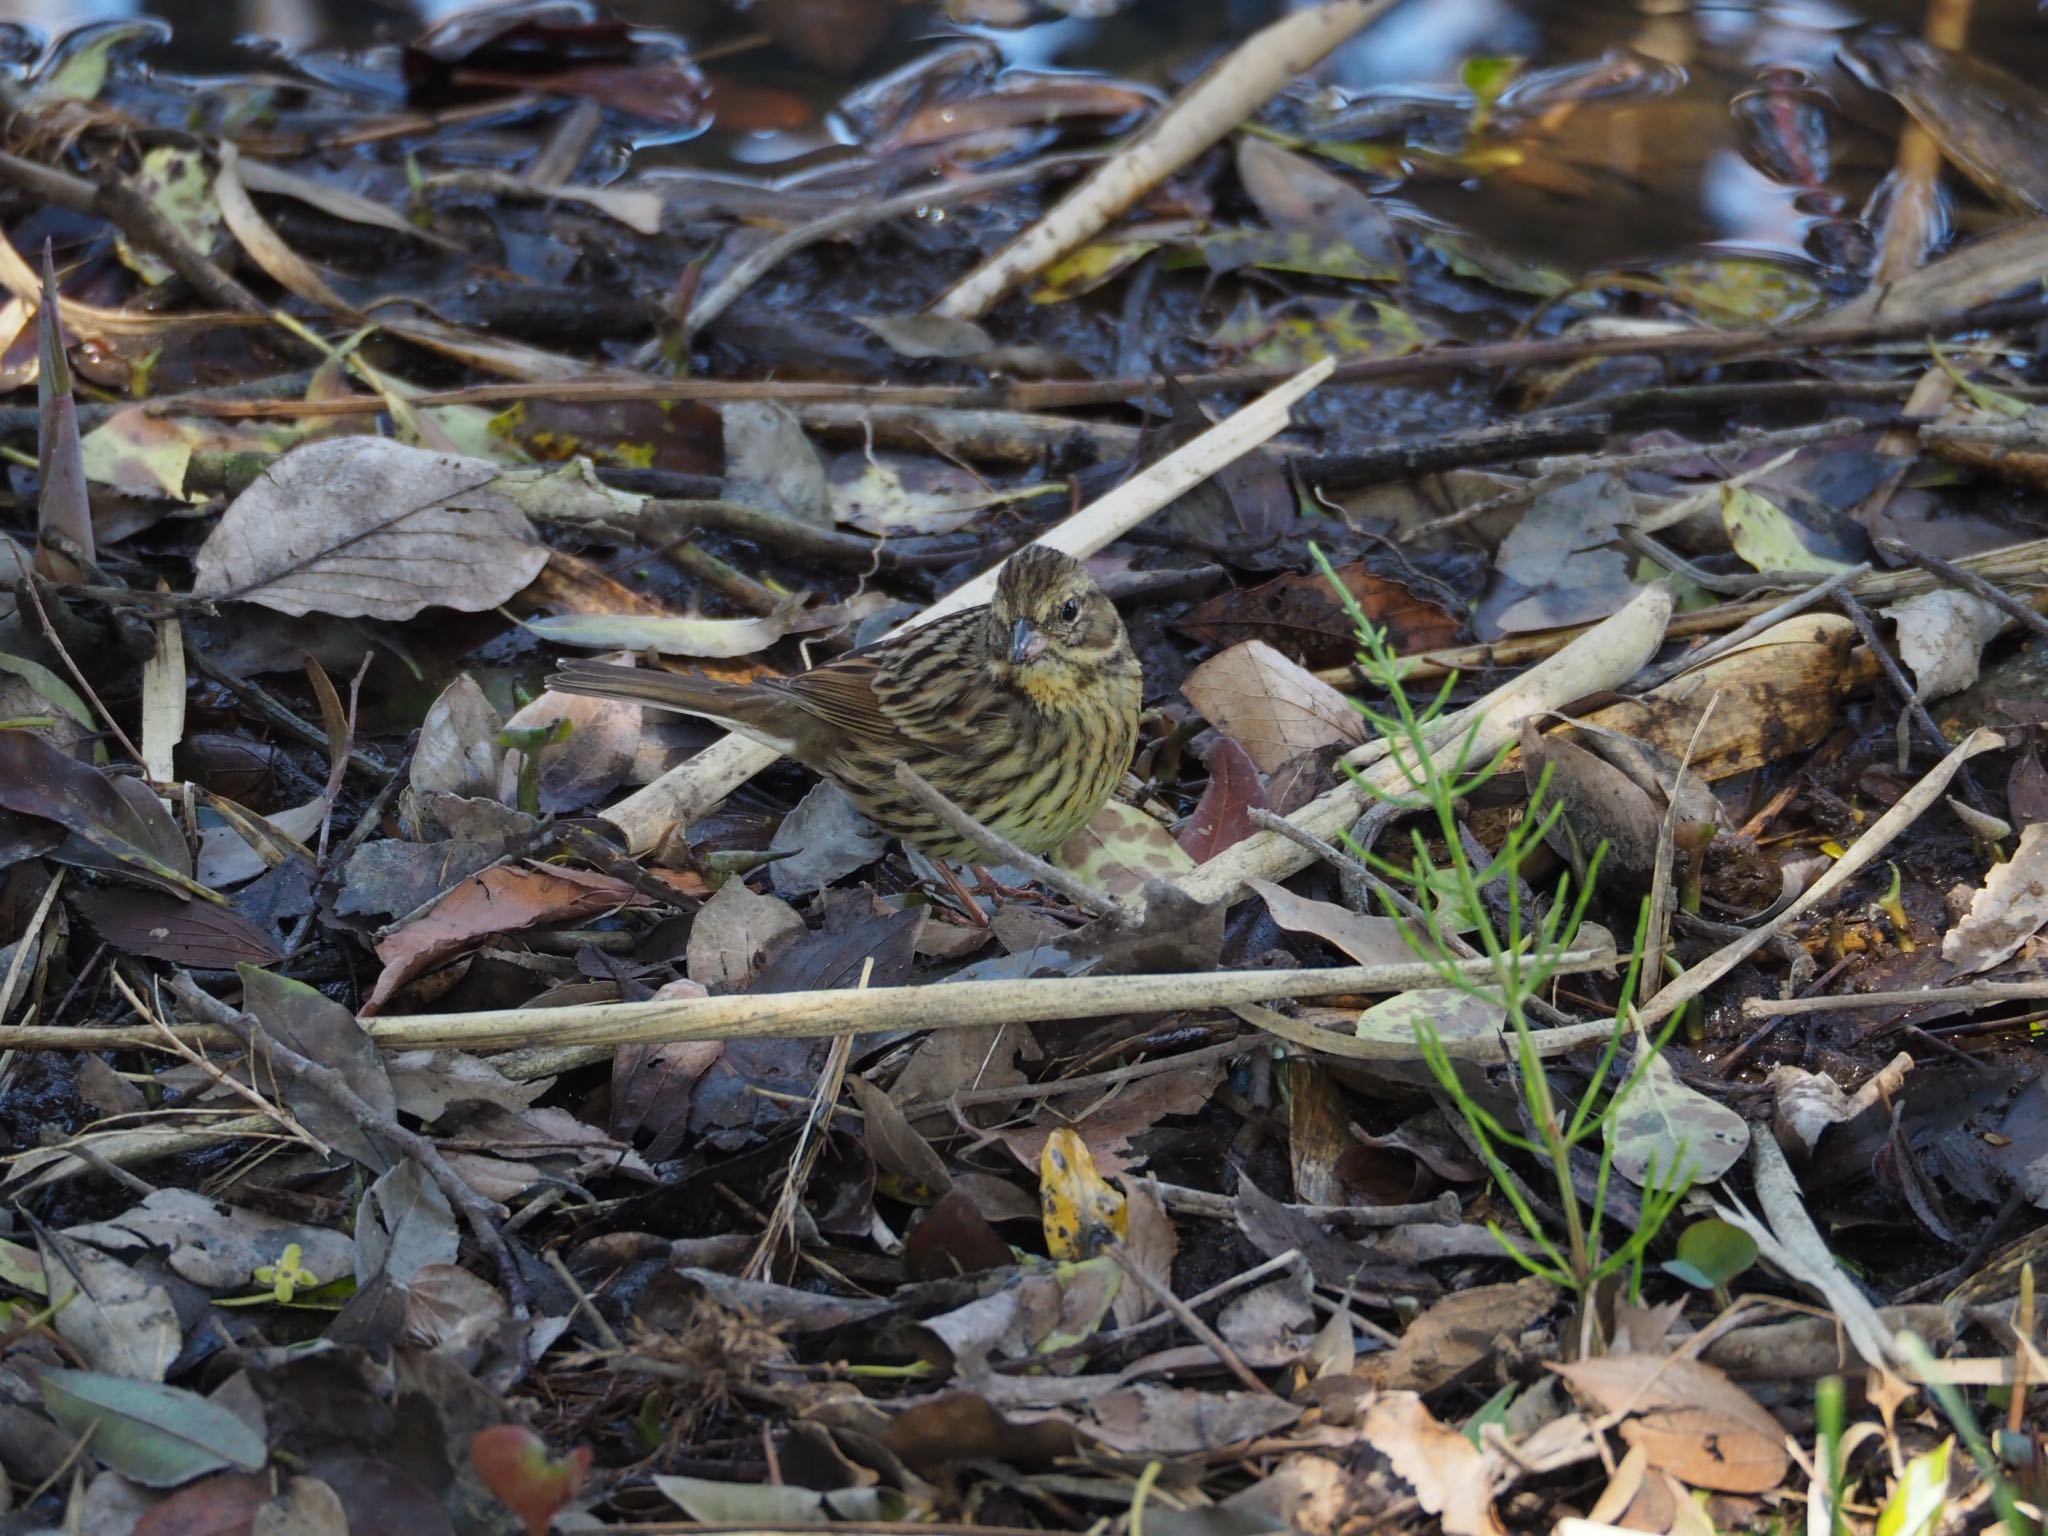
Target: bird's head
1050,628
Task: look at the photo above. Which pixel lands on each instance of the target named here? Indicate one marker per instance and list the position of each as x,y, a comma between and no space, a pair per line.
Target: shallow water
1655,176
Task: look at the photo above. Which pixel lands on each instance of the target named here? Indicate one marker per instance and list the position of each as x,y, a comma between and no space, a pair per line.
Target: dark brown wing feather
912,688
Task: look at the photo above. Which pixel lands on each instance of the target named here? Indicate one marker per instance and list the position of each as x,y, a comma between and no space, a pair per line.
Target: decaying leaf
1082,1211
1665,1130
1942,635
1120,849
367,527
2007,910
499,900
1451,1477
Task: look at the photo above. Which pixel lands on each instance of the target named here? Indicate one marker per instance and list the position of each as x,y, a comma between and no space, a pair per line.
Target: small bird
1023,713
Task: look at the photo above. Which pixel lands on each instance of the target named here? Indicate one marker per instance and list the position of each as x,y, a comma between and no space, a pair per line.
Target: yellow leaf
1082,1213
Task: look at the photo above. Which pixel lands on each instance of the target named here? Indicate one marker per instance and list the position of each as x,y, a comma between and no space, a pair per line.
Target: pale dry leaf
113,1318
1449,1473
1148,1420
1807,1103
366,527
1367,940
1274,708
458,750
1663,1128
732,933
2007,911
1691,1420
1942,636
770,464
1150,1243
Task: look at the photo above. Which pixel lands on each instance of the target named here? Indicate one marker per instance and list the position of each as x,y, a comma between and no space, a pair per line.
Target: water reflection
1614,181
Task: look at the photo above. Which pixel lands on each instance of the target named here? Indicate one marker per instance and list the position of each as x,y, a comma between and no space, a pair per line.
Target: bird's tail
643,685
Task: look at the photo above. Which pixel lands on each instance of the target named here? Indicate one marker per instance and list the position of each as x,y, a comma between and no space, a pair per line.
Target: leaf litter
433,1102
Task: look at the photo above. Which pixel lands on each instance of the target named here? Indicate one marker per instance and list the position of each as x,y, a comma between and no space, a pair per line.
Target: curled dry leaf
1270,706
458,750
2007,911
1942,636
1691,1420
1450,1475
366,527
770,464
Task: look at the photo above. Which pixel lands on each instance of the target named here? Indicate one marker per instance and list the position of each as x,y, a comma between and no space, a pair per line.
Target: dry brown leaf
1691,1420
603,740
1268,705
1459,1333
1149,1420
1367,940
737,927
1108,1126
496,901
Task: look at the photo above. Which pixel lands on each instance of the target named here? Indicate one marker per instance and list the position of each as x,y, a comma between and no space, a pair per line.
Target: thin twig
1954,995
32,586
479,1212
1442,1211
1117,1336
270,708
1189,1320
1555,473
1002,851
1056,394
140,220
751,268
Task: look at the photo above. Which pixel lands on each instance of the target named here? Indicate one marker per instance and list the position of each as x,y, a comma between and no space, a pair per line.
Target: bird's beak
1027,643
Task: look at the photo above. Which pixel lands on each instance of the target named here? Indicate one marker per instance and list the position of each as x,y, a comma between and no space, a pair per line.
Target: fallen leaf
1149,1420
367,527
152,1434
1942,635
1223,815
1663,1130
1082,1213
2008,909
1691,1420
500,900
1299,615
1449,1474
1461,1332
770,463
1120,849
1270,706
1367,940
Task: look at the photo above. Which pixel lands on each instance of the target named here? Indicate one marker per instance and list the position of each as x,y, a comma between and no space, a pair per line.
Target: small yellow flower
288,1275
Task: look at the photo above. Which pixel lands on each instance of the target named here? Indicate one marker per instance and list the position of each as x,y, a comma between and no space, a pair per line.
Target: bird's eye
1070,610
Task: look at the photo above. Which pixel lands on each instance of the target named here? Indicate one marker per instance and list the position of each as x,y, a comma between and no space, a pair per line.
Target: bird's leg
995,890
966,897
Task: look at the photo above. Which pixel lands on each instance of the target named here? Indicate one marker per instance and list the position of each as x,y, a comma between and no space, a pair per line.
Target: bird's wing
910,688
